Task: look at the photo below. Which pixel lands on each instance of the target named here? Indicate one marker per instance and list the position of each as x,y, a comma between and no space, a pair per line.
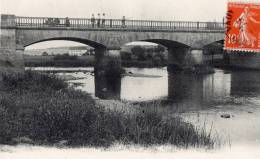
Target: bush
138,51
32,81
144,57
65,57
126,55
45,54
5,125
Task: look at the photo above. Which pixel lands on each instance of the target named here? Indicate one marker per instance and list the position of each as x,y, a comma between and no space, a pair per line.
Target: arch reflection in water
184,87
133,88
170,85
203,89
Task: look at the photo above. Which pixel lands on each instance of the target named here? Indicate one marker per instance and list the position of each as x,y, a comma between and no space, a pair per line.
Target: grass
45,110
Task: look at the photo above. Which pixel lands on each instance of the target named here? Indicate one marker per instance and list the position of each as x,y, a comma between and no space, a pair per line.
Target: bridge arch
93,44
212,41
221,41
167,43
178,53
103,86
215,47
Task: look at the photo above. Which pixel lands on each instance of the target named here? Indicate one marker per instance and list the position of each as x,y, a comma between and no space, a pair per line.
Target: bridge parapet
112,24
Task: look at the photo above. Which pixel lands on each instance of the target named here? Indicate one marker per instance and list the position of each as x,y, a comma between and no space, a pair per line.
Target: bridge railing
45,22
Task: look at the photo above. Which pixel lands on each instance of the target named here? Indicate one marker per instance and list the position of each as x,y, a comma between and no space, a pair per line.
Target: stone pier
187,60
107,73
11,54
178,58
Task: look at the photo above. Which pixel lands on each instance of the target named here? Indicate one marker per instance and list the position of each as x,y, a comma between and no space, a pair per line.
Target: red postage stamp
243,27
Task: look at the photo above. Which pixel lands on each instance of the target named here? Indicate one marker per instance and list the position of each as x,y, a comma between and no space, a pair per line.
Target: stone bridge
181,38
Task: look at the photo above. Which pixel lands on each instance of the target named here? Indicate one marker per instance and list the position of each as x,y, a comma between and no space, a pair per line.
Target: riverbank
143,64
81,61
59,61
127,152
42,110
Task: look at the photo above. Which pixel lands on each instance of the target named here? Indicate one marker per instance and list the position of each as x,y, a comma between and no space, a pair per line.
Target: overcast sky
202,10
190,10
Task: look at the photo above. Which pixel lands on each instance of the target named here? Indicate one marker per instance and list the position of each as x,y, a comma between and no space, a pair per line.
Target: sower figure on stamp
245,37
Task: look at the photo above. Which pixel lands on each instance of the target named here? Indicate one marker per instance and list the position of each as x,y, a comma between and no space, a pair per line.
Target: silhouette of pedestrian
93,21
56,21
123,21
67,22
103,20
98,20
223,21
111,23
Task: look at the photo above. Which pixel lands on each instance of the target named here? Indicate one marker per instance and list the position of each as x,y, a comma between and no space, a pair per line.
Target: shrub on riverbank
65,57
143,64
59,61
87,61
43,109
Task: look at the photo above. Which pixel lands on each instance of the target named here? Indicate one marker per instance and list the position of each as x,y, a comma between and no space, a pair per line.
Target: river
200,100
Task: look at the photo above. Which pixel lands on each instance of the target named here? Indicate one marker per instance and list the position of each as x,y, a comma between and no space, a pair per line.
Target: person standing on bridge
93,21
111,23
67,22
98,20
103,20
123,22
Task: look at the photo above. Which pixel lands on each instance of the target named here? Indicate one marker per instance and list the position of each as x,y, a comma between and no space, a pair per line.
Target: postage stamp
243,27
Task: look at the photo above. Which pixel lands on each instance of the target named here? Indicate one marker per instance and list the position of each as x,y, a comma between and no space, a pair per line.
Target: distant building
73,50
77,52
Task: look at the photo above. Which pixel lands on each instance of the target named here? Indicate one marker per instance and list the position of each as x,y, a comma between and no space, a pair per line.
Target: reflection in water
217,85
175,87
144,88
184,87
133,88
197,88
172,86
107,87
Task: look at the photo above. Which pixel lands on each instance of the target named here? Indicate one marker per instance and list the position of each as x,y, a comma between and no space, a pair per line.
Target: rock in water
225,116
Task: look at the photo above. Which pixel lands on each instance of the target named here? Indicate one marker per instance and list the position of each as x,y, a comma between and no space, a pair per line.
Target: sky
195,10
184,10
